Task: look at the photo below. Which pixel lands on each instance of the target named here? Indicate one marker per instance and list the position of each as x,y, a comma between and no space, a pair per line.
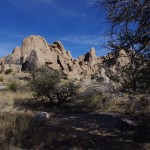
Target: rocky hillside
36,52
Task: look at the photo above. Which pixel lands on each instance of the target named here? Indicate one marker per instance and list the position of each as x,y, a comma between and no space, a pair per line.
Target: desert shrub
65,91
47,85
93,76
1,79
8,71
99,101
12,86
114,79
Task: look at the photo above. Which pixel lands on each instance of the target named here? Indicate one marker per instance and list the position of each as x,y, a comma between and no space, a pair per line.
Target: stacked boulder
36,52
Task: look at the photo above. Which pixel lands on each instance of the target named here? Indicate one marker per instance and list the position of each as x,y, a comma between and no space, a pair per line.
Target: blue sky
78,24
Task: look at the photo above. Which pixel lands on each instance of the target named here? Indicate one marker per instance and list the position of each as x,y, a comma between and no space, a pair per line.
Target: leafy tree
130,30
47,85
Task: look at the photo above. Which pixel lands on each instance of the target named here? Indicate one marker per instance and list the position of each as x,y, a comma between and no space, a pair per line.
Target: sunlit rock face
35,51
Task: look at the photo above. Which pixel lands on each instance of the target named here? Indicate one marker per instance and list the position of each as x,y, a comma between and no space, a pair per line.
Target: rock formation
36,52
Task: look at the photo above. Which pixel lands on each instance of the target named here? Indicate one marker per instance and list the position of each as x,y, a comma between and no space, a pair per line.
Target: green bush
47,85
1,79
12,86
65,91
114,79
8,71
93,76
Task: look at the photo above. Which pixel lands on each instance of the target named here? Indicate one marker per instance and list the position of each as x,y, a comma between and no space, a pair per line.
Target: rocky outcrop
36,52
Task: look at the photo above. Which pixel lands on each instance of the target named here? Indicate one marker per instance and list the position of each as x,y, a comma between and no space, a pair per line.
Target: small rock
41,117
2,86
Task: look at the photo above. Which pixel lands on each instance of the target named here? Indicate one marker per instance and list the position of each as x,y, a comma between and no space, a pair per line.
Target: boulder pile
36,52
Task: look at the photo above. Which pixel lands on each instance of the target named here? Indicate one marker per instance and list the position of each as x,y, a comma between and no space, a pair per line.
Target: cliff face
36,52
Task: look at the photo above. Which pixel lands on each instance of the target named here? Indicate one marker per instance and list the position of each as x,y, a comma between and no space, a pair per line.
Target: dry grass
121,103
17,89
17,108
9,98
14,122
13,128
20,78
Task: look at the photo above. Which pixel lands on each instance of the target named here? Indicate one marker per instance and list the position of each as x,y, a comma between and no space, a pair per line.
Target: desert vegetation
13,121
49,100
48,85
23,97
20,105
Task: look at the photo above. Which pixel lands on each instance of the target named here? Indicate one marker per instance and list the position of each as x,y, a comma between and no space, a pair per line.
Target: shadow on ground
33,104
79,129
